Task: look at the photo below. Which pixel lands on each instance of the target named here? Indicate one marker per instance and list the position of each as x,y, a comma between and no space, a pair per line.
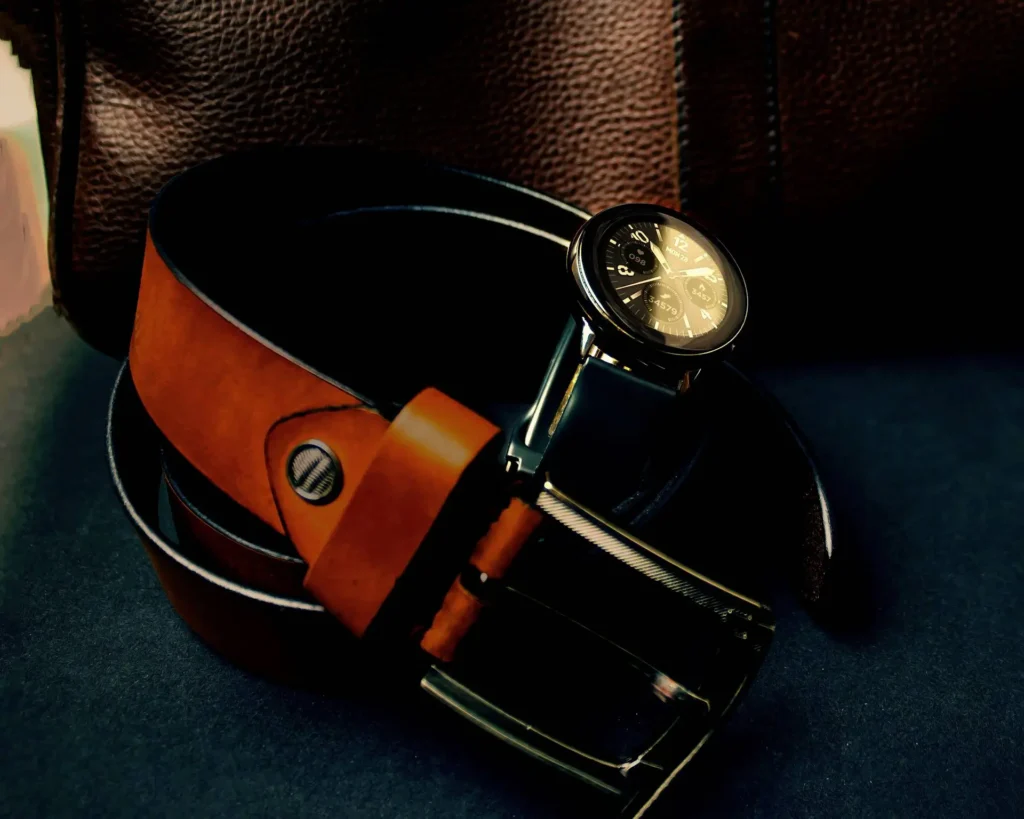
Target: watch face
664,281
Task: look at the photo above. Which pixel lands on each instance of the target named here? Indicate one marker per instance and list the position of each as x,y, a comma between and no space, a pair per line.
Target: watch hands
706,272
659,254
642,281
660,257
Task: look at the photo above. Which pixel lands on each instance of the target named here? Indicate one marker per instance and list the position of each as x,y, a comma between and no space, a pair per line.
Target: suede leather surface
110,706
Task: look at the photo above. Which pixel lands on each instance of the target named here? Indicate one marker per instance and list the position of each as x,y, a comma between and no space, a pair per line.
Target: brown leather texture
725,74
283,643
810,104
354,435
417,465
236,416
218,409
827,140
252,564
575,99
858,97
795,128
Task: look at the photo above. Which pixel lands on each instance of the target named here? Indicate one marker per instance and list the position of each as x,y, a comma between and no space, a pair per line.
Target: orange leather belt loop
492,557
458,613
498,548
234,406
418,463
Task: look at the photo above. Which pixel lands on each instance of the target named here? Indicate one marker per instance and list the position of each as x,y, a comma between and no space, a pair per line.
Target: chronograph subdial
704,294
638,257
662,302
707,304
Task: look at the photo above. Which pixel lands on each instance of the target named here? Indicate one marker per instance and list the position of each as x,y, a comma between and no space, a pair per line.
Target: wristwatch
657,299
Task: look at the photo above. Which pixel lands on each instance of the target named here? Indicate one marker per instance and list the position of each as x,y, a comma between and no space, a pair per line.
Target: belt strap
238,414
417,465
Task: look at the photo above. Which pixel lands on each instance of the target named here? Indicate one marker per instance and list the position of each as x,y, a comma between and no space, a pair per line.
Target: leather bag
818,137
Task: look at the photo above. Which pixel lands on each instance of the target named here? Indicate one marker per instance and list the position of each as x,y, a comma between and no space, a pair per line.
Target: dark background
110,706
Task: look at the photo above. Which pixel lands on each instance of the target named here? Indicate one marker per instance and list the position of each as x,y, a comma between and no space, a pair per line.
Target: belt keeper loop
492,557
457,614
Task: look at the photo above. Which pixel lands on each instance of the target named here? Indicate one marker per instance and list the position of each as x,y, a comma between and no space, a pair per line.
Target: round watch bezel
613,334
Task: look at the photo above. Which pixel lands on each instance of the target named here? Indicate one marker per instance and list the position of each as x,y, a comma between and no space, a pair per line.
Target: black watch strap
612,423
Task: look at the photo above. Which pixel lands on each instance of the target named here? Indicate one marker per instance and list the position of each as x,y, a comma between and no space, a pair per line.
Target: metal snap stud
314,472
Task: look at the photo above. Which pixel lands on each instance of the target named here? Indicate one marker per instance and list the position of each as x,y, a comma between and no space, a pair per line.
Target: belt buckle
690,715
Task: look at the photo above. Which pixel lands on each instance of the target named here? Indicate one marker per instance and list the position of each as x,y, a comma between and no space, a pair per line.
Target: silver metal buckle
747,629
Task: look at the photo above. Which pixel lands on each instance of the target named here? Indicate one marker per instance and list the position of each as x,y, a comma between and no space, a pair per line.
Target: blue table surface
110,706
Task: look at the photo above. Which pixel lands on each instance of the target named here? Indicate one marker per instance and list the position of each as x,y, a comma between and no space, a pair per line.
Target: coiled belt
332,351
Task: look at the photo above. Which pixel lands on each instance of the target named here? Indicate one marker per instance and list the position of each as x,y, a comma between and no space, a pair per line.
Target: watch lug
530,441
586,338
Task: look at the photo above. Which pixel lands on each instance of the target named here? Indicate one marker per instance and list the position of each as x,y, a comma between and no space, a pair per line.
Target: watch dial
662,274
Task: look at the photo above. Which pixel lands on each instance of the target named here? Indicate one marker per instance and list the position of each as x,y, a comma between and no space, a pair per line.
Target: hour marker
658,231
701,258
627,300
630,227
634,297
612,269
657,326
689,333
724,304
612,242
686,321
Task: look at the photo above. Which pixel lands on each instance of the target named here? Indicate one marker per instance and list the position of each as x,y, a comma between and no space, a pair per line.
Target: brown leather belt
381,499
239,414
